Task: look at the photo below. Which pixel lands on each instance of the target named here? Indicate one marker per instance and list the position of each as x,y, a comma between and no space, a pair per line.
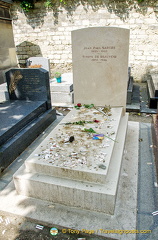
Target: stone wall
47,32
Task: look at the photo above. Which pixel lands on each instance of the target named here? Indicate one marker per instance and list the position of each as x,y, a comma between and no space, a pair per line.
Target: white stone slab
3,92
3,87
73,193
100,65
4,96
65,86
62,98
84,159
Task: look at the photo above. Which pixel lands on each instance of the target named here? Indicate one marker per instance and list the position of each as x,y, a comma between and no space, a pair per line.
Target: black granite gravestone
27,114
152,86
129,87
29,84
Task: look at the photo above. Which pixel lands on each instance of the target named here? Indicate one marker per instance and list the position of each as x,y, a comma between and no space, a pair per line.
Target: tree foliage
28,5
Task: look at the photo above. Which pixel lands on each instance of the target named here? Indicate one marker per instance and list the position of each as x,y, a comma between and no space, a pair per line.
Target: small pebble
71,139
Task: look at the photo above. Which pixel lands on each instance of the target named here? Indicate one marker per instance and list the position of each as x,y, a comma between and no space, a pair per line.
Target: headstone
129,87
155,84
27,113
43,62
78,164
100,65
152,86
29,84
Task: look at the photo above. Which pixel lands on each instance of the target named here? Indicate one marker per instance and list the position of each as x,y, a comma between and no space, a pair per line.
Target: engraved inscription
99,54
32,84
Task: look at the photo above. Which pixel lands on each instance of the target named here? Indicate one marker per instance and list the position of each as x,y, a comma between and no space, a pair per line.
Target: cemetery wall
47,32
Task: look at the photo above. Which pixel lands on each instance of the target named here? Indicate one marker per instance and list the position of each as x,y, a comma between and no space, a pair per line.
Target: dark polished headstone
26,114
130,90
154,83
154,128
29,84
152,86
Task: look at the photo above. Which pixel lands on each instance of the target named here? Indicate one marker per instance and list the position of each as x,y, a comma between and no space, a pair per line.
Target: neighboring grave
3,92
129,87
27,113
29,84
100,65
62,93
15,115
73,166
43,62
152,86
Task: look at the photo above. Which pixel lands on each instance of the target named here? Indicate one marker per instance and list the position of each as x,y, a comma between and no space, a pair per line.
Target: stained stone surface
84,158
100,65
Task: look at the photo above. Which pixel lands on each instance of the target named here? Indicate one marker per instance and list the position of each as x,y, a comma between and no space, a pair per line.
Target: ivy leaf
89,105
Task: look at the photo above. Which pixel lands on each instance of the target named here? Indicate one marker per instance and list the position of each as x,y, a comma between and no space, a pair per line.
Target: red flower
96,121
79,105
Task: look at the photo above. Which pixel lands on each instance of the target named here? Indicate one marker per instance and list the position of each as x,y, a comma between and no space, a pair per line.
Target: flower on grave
96,121
89,106
90,130
79,105
57,75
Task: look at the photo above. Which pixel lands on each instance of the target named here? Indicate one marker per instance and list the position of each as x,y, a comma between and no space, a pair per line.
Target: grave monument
79,162
29,84
129,87
100,59
41,61
61,94
27,113
152,87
